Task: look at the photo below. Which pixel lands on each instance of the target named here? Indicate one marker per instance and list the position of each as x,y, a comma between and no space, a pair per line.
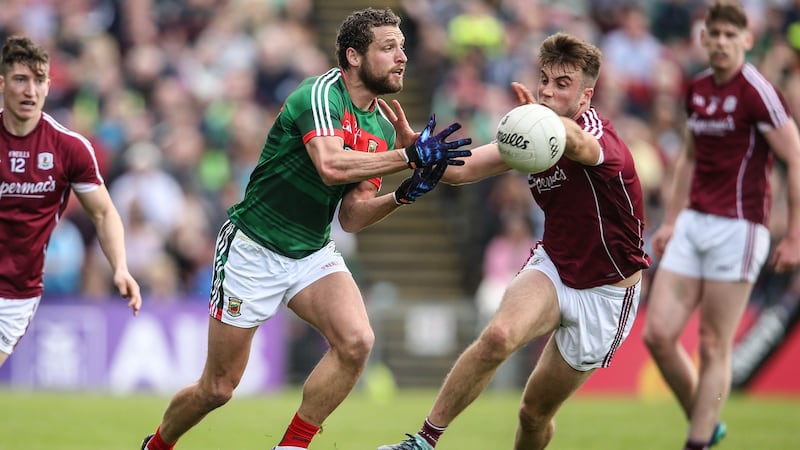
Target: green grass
60,421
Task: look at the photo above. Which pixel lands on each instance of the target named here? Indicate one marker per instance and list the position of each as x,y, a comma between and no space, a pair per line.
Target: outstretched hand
421,182
523,94
405,135
430,149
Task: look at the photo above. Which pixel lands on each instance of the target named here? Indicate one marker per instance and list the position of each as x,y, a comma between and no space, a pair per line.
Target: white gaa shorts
15,316
717,248
594,321
251,282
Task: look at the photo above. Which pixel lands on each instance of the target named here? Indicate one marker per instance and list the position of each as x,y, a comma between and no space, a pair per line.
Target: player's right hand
430,149
522,93
421,182
659,239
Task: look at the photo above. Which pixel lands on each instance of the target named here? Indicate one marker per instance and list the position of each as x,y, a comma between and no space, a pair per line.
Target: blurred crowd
177,96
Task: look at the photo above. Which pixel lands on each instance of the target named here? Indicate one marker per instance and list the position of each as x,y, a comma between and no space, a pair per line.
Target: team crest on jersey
234,307
729,104
372,146
45,161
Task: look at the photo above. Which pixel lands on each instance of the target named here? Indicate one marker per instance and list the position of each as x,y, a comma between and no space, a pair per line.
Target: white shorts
716,248
15,317
594,321
250,281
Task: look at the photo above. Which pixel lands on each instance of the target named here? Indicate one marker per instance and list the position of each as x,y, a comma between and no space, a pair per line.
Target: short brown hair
727,11
356,31
19,49
565,50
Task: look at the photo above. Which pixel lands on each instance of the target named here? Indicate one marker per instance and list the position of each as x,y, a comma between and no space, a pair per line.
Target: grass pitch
83,421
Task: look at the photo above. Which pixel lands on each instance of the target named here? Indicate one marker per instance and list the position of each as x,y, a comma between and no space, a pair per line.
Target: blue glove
421,182
428,150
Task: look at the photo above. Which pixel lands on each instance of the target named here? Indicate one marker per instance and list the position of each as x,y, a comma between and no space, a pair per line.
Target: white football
531,138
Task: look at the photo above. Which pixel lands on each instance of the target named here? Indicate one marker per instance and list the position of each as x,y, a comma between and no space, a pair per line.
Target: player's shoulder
320,84
61,134
594,123
752,77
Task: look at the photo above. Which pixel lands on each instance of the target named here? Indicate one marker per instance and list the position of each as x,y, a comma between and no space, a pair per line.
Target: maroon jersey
594,216
732,158
36,174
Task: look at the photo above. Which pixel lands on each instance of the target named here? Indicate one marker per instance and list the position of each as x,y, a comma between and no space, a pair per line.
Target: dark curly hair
356,31
19,49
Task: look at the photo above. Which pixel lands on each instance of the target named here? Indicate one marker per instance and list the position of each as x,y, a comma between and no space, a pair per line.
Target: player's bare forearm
679,187
111,235
485,162
793,194
360,208
785,142
336,165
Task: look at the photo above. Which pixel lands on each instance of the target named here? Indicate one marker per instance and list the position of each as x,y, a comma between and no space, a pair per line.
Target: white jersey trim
768,95
87,145
320,107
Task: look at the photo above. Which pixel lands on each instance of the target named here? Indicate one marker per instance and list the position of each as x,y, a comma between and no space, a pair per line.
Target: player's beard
380,85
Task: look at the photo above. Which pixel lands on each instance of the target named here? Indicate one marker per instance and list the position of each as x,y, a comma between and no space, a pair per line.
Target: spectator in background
64,261
476,27
634,55
151,205
158,195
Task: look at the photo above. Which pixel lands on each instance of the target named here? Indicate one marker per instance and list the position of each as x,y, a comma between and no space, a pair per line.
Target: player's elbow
351,226
455,176
332,175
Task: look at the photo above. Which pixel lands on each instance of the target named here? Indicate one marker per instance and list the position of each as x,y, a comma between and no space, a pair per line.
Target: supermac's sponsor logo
27,189
711,127
547,182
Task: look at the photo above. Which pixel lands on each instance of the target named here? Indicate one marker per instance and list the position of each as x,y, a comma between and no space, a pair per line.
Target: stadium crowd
177,96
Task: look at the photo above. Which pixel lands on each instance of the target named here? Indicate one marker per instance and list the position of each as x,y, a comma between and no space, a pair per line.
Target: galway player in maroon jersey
583,279
714,236
40,162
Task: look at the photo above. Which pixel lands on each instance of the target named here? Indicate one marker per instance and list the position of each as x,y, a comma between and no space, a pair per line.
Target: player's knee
533,420
217,395
355,348
712,345
495,343
656,338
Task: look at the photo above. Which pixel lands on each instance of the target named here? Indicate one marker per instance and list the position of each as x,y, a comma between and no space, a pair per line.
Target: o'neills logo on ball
513,139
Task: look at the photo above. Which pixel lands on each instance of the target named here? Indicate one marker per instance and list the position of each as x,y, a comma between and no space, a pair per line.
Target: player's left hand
522,93
786,256
129,289
421,182
405,134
